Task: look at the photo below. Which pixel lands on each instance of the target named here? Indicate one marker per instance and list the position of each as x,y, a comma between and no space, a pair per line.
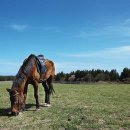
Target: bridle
18,100
15,94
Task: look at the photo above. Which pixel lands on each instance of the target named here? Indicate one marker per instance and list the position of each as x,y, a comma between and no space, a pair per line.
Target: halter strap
15,94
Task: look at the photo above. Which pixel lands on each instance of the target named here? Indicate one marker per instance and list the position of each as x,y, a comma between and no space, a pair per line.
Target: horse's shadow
5,111
28,106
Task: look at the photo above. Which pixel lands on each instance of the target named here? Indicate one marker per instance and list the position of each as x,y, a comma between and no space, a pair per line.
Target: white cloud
68,67
18,27
111,53
107,59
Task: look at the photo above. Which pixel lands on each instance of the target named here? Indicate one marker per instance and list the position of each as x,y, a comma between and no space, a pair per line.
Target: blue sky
75,34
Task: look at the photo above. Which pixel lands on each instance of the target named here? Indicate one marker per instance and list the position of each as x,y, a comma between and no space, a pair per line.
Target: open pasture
74,107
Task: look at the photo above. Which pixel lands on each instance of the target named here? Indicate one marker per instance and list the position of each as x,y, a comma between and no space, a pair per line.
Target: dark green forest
94,76
7,78
87,76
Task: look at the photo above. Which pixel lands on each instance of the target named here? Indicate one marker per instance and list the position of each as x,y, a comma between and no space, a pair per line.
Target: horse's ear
8,89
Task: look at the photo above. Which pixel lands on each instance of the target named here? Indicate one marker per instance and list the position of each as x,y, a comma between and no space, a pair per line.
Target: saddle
40,64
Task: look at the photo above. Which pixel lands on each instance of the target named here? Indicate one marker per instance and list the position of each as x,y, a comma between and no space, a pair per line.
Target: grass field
74,107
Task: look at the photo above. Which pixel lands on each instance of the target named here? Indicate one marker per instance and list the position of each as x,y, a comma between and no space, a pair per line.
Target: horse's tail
52,76
50,83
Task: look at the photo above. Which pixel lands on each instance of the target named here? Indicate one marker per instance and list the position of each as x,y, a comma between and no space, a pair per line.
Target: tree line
6,78
87,76
94,76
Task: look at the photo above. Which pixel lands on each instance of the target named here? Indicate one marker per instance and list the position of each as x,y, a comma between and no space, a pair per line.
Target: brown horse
29,74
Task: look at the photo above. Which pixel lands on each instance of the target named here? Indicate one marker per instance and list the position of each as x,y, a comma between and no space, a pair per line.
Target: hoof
13,113
20,113
37,109
46,105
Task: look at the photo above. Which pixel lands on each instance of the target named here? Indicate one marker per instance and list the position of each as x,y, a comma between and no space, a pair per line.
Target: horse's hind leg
46,89
50,86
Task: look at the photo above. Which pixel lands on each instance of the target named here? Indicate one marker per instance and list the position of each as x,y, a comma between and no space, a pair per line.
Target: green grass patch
74,107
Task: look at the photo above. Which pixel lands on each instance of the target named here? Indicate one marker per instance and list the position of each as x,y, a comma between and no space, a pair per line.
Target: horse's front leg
25,95
35,85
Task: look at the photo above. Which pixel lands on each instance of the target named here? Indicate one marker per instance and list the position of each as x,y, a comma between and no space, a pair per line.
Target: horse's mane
26,63
24,69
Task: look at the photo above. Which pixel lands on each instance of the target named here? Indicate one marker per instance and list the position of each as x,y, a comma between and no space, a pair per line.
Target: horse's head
16,101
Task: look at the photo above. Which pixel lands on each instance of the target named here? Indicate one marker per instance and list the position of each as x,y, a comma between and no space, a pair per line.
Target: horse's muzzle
13,113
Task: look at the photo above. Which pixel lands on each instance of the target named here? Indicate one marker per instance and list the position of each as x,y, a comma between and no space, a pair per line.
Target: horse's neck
23,75
19,83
